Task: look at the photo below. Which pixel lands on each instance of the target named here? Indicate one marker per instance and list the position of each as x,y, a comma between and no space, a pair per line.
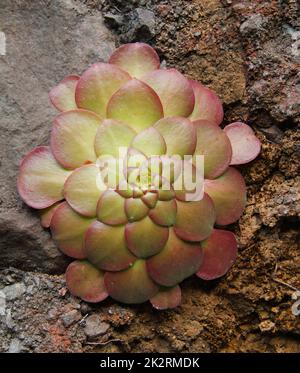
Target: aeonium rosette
134,233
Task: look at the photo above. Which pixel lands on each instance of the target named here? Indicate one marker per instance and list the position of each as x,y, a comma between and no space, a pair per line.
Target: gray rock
2,303
138,25
14,291
146,18
113,20
45,41
253,23
15,346
70,317
94,327
52,314
25,244
144,24
9,320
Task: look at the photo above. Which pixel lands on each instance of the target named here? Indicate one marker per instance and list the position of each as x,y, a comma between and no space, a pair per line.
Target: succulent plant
137,238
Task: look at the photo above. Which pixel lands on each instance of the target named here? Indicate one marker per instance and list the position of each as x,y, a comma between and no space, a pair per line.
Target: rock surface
248,52
45,41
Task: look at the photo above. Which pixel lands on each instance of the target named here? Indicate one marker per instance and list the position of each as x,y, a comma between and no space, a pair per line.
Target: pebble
146,18
15,346
2,303
114,19
94,327
253,23
8,320
52,313
266,326
70,317
14,291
